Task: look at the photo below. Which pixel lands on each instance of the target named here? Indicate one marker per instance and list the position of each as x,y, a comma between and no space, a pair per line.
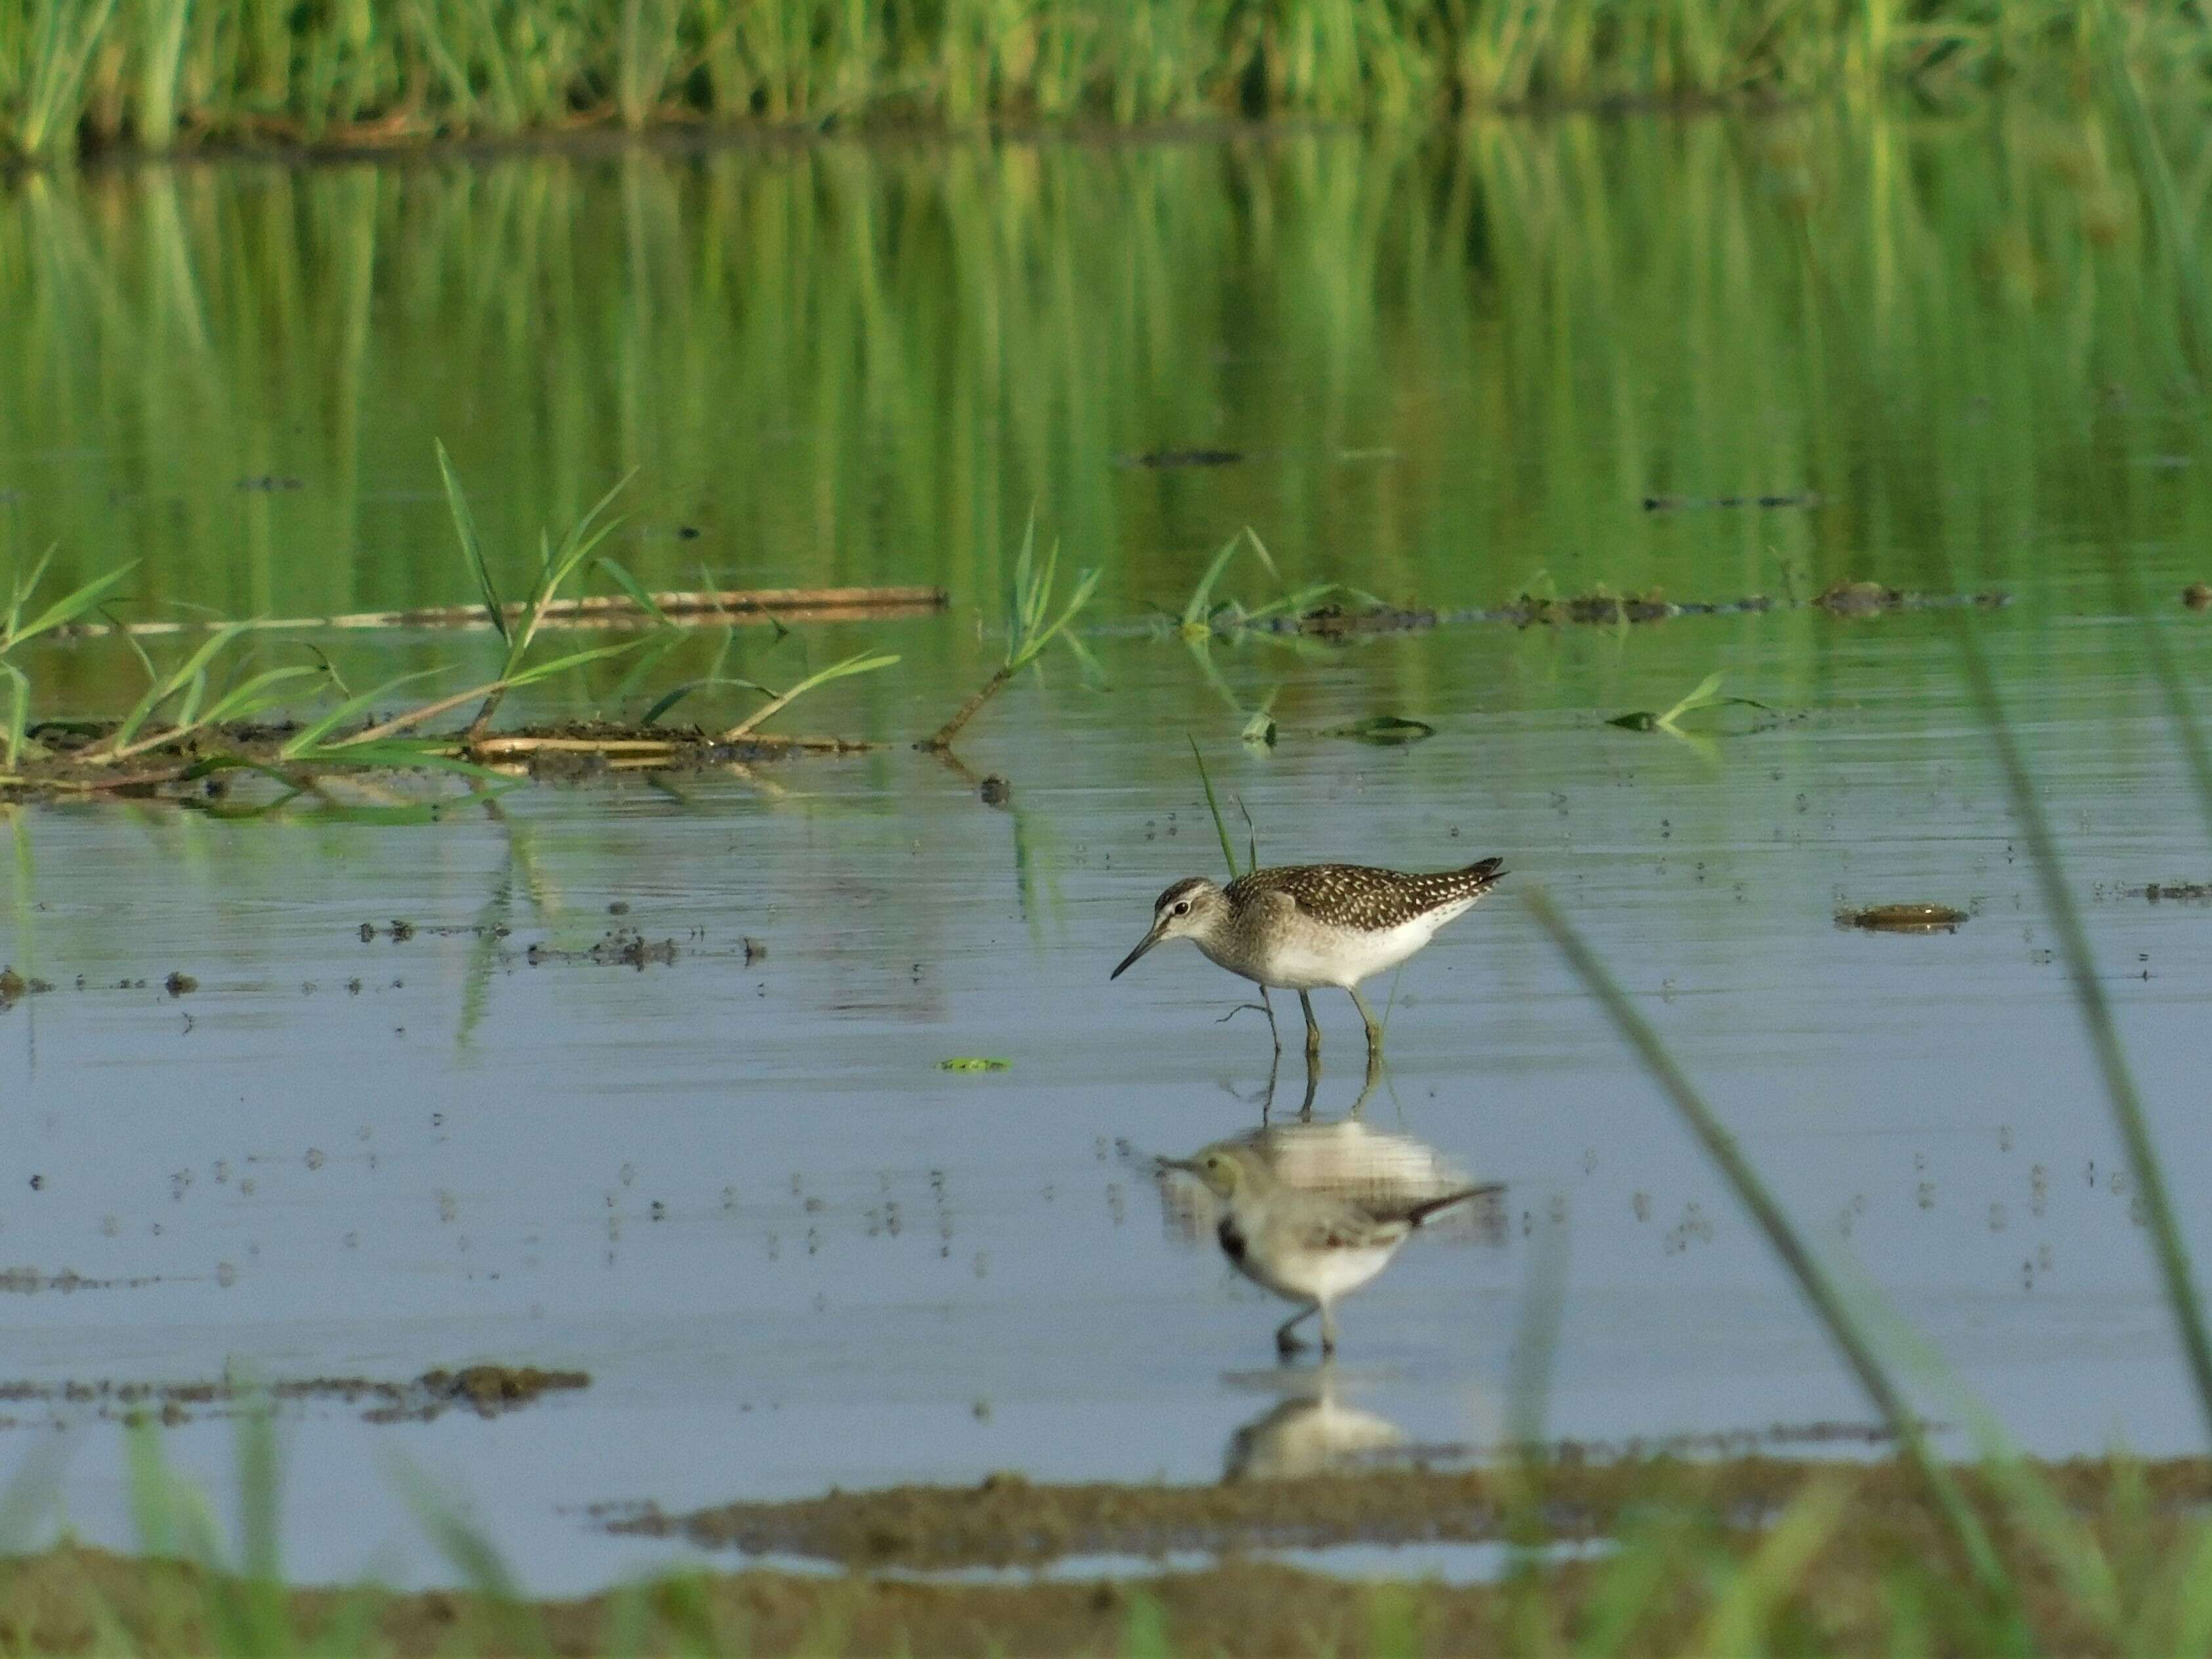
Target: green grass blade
1739,1623
465,525
1212,805
67,609
1296,602
1034,640
634,589
1200,605
1706,691
165,687
256,695
311,735
19,713
24,584
1019,600
475,1558
860,663
540,671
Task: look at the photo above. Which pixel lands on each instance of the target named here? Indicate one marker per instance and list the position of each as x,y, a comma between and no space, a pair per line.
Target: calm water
737,1188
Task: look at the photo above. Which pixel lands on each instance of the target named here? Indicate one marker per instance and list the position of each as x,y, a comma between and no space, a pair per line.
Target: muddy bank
1604,608
1688,1535
1006,1521
488,1390
199,765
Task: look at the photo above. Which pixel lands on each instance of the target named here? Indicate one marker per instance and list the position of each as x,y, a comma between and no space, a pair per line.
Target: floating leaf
1384,728
1705,695
975,1063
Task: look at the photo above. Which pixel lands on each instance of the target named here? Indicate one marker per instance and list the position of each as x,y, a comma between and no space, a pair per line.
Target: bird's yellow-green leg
1327,1329
1374,1031
1313,1029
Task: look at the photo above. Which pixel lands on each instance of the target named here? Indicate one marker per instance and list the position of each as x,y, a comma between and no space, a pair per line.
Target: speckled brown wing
1358,895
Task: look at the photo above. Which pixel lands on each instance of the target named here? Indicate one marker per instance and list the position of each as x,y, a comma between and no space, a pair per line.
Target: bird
1304,926
1310,1246
1310,1435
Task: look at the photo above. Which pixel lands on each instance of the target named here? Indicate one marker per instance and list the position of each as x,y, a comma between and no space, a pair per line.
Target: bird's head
1219,1168
1191,908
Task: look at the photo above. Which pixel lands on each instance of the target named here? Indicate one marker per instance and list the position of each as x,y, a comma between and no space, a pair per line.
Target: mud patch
14,987
488,1390
1006,1521
1693,503
623,947
1602,608
1904,919
30,1281
1163,459
2177,892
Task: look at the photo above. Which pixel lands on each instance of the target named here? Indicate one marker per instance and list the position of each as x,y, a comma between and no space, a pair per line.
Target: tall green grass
158,72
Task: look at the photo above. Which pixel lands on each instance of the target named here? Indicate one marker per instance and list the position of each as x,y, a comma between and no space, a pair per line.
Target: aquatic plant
555,567
1706,694
199,713
1031,625
22,624
1202,615
860,662
184,691
160,72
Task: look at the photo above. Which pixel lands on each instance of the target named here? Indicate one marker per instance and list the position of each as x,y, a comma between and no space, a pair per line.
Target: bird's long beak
1143,945
1184,1164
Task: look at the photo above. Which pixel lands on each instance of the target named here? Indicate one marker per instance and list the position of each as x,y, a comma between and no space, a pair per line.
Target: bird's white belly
1307,958
1319,1275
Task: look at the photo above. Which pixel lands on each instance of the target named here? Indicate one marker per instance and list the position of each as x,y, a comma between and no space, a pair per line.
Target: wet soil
1608,609
197,765
1006,1521
72,1600
488,1390
14,987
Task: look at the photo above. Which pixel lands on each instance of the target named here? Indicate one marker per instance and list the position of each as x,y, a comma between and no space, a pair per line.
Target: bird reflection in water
1311,1433
1312,1211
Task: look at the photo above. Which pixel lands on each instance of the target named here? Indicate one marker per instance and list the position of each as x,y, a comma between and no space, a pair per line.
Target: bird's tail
1420,1213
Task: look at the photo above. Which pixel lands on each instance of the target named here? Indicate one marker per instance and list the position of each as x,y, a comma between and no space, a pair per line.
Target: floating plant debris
1383,729
1904,919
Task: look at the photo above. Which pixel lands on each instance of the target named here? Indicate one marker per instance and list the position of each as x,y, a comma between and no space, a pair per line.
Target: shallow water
737,1188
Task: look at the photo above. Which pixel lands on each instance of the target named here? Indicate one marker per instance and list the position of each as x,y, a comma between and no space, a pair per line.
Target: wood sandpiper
1304,926
1307,1246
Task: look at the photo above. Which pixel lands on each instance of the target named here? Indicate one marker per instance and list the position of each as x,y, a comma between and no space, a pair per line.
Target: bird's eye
1183,907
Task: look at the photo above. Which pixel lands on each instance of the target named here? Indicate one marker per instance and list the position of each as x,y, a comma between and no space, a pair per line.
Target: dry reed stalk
607,611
